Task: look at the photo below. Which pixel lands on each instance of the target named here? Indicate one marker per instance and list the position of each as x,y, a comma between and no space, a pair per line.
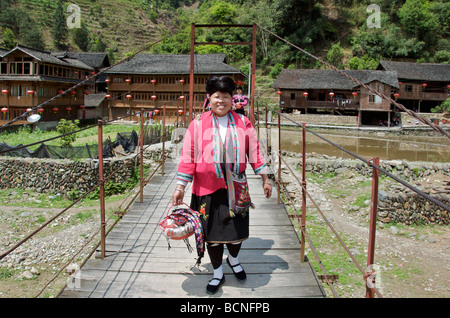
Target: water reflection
386,149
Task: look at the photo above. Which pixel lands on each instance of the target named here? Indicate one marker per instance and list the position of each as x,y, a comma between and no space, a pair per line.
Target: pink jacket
200,161
240,99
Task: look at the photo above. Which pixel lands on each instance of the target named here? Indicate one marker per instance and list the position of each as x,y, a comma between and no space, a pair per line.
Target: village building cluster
30,77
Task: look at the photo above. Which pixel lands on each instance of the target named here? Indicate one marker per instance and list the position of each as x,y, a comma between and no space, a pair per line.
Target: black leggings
215,252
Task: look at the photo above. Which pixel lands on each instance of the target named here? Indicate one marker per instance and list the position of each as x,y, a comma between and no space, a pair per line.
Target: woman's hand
178,195
267,189
267,186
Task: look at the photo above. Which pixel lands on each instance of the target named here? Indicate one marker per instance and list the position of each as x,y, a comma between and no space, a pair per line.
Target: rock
354,251
386,220
394,230
27,275
382,196
33,270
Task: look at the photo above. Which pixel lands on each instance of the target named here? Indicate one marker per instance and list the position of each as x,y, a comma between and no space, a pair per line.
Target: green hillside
336,30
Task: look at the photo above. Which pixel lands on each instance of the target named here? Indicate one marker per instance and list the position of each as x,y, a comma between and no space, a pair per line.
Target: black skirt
218,225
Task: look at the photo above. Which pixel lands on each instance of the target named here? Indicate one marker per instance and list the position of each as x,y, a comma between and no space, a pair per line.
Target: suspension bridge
135,260
138,262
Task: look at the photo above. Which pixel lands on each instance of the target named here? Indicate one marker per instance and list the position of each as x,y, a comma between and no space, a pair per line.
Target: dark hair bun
223,84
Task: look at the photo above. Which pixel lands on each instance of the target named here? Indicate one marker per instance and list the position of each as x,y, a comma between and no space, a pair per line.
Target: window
292,96
375,99
408,88
3,68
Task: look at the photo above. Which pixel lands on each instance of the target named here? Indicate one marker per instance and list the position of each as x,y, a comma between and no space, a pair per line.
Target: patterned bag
180,225
239,200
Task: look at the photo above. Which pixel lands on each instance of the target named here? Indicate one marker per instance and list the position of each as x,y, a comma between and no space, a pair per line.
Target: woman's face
220,103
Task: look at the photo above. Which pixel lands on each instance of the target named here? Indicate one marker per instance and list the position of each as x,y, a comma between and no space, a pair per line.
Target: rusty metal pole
267,133
141,159
252,87
163,139
257,112
102,187
373,221
279,157
303,225
191,77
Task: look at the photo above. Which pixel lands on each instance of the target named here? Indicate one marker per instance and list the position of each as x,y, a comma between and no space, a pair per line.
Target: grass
333,257
27,136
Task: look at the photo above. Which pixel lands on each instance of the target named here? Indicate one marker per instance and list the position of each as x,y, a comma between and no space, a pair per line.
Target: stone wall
320,119
399,204
61,175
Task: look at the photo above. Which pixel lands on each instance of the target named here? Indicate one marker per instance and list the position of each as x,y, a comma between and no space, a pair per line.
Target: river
387,148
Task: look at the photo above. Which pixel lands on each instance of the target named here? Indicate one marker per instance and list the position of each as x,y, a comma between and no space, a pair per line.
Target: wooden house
422,86
30,77
147,81
315,91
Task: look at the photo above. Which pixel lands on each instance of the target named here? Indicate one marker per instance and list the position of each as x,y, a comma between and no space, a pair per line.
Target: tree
335,56
29,33
59,30
65,127
302,23
99,45
417,20
363,63
9,39
33,38
81,37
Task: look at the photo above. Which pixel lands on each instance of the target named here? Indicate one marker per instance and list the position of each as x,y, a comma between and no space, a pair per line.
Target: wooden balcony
335,104
147,87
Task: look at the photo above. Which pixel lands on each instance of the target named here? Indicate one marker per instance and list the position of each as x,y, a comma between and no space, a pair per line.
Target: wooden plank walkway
138,262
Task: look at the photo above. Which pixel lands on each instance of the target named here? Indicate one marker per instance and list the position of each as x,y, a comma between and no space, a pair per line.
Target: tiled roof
48,57
94,100
96,60
418,71
174,64
329,79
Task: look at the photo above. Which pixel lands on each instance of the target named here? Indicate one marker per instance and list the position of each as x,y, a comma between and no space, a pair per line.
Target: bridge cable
372,90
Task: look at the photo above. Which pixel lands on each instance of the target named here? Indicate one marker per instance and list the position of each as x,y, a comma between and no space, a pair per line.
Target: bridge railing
368,273
119,211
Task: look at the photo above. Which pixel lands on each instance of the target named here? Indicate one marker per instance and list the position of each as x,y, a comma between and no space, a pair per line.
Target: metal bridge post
253,81
191,79
279,157
141,159
303,225
163,139
102,187
372,230
267,133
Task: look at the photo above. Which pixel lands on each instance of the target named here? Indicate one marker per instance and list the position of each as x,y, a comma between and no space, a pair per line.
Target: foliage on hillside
336,30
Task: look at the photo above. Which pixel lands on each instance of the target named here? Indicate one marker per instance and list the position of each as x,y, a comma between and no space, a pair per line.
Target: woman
240,101
218,133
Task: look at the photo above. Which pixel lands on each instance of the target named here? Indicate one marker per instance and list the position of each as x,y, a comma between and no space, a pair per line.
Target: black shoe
212,289
239,275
